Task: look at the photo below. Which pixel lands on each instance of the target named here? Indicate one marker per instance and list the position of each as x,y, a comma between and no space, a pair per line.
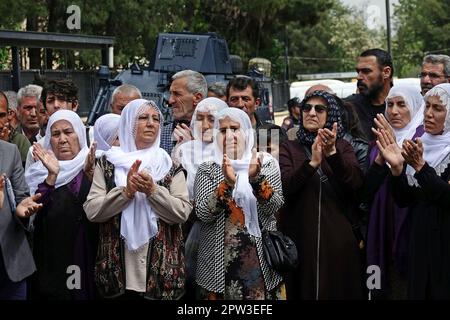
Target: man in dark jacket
375,72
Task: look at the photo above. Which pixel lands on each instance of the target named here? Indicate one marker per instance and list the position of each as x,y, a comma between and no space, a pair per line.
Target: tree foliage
423,26
333,43
321,35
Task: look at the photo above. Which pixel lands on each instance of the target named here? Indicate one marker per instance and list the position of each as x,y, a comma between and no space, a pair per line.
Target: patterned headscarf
334,114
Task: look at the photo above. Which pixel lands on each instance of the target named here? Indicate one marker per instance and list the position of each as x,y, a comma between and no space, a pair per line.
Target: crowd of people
142,207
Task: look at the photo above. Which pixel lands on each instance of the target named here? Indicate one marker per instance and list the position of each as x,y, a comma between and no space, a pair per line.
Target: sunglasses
318,108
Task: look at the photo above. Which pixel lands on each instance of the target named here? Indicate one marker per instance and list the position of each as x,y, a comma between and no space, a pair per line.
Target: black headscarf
334,115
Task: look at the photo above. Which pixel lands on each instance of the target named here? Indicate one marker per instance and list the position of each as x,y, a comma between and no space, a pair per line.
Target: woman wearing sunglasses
320,173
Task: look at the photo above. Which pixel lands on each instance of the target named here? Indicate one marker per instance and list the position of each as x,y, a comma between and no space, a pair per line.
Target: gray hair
439,59
196,82
218,88
127,90
30,90
11,96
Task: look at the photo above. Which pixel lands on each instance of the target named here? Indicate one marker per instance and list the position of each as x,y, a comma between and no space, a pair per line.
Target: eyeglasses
431,75
318,108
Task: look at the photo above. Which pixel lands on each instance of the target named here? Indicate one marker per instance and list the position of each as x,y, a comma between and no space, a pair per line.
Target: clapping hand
28,206
228,171
316,152
182,133
131,187
328,138
390,151
89,165
255,164
382,124
413,153
4,133
48,159
143,182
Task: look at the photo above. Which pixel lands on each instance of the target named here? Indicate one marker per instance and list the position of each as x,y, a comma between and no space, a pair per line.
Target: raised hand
413,153
28,206
382,123
390,151
379,158
316,152
48,159
182,133
255,164
144,182
328,138
228,171
89,164
2,190
131,187
4,133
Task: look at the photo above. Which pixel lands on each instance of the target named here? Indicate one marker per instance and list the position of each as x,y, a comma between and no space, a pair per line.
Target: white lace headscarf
139,221
106,130
68,169
194,152
436,148
415,104
243,192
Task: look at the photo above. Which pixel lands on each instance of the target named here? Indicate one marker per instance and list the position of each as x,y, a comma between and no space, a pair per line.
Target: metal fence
86,81
280,93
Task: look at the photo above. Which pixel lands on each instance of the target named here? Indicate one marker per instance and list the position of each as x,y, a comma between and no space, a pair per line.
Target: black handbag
280,251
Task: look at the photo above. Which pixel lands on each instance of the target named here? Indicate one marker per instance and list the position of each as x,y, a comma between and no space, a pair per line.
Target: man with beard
435,70
375,72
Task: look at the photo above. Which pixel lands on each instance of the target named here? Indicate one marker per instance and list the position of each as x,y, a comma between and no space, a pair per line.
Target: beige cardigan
172,206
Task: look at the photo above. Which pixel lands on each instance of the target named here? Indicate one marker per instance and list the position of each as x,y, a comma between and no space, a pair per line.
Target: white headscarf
106,130
415,104
68,169
138,222
436,148
194,152
243,192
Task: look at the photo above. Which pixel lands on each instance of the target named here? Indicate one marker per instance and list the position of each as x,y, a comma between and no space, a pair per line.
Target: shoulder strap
335,193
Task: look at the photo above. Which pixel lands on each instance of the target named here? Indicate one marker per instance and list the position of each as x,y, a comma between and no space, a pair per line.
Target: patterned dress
241,270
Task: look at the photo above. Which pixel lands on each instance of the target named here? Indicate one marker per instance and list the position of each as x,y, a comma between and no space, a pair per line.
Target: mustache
361,84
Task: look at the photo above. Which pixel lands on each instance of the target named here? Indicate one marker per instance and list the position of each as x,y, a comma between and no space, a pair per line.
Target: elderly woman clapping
419,176
236,195
388,225
64,240
320,174
140,200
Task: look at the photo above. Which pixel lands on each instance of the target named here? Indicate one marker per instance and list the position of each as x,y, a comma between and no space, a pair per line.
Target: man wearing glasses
435,70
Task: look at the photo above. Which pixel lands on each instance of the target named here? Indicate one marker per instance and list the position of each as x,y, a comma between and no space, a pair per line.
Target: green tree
333,43
423,26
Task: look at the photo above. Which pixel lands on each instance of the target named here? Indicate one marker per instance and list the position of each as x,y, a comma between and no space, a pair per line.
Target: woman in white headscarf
236,195
388,225
63,237
106,133
420,179
191,154
140,200
194,152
